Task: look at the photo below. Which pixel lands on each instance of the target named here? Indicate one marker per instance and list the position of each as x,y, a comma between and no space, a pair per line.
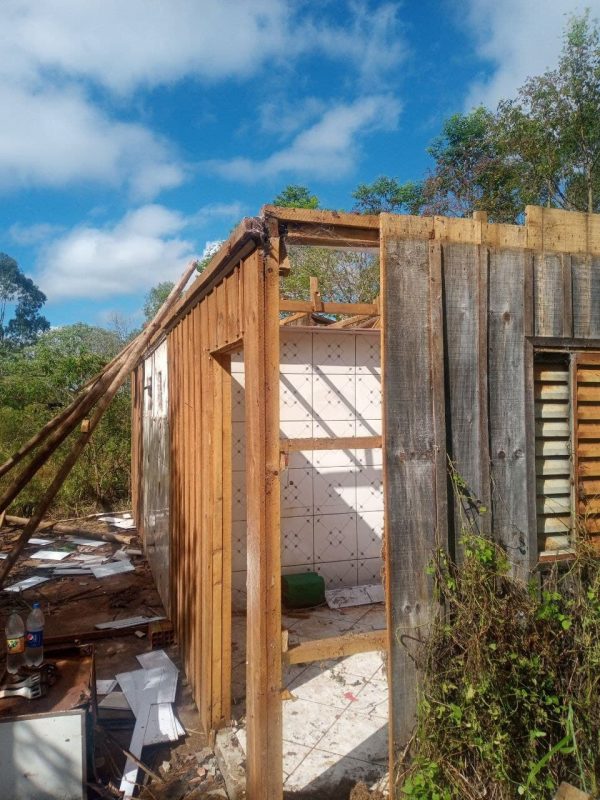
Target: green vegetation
19,295
296,197
37,381
509,704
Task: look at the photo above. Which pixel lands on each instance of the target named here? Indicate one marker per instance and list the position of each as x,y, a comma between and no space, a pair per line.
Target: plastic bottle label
15,645
35,638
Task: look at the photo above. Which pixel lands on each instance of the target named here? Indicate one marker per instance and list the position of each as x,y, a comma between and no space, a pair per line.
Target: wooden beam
369,309
294,318
336,647
315,295
263,677
349,322
318,217
333,443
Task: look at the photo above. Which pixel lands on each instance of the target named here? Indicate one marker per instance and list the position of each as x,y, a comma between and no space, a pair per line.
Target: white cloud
55,137
327,149
124,45
519,39
32,234
146,246
57,53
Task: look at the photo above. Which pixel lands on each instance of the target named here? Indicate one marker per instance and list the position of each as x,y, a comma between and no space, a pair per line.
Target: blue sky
136,131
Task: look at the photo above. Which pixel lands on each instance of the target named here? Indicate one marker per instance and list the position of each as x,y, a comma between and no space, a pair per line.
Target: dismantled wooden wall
466,305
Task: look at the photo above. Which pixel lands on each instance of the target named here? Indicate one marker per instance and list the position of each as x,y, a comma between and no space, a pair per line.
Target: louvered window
567,447
554,465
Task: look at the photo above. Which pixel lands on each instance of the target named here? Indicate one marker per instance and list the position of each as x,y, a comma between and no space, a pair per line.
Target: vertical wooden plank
549,294
414,445
567,295
510,320
185,476
586,296
205,686
195,466
226,484
465,318
263,683
196,677
215,319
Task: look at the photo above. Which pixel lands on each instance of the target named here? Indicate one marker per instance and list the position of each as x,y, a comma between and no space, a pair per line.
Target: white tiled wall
331,501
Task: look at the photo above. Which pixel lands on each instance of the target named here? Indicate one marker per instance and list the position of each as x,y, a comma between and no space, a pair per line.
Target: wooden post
263,681
414,453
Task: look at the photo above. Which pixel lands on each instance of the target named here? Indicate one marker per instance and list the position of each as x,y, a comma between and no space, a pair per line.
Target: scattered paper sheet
51,555
64,572
350,596
86,542
113,568
37,540
124,522
156,658
90,559
115,700
27,583
3,555
126,623
105,686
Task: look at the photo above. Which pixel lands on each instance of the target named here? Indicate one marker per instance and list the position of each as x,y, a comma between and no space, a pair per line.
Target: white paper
37,540
90,559
28,583
125,522
126,623
51,555
113,568
105,686
3,555
155,659
86,542
350,596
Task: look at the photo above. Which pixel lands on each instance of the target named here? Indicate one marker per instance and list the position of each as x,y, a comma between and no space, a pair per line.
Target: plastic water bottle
34,645
15,642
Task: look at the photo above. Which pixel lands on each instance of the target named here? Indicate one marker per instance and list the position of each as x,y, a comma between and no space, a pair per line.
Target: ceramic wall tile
334,397
295,397
238,496
334,353
369,533
335,537
297,540
368,427
369,489
368,396
238,446
239,592
296,492
369,571
373,457
292,429
334,490
237,362
295,352
338,573
368,354
334,458
238,398
297,569
238,545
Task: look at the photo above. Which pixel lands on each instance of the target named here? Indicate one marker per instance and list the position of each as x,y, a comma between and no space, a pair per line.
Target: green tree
19,295
472,170
344,276
155,298
551,131
36,382
296,197
388,195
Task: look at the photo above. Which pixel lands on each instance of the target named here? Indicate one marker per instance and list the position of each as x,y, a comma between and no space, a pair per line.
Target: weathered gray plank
552,294
465,322
414,484
586,296
510,404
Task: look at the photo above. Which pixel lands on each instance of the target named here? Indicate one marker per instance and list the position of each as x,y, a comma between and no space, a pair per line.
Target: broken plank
336,647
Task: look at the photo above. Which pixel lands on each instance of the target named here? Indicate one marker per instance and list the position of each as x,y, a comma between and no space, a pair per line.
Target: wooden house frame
466,307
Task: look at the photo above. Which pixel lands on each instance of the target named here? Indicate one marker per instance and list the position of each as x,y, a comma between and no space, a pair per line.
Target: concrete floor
335,715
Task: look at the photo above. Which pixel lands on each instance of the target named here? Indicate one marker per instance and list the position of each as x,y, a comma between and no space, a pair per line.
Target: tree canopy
155,298
19,295
296,197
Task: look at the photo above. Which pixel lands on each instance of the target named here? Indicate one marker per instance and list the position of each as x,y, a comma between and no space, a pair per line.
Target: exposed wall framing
464,306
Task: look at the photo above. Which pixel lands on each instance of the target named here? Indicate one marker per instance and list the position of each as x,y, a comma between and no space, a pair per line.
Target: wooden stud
331,443
329,308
